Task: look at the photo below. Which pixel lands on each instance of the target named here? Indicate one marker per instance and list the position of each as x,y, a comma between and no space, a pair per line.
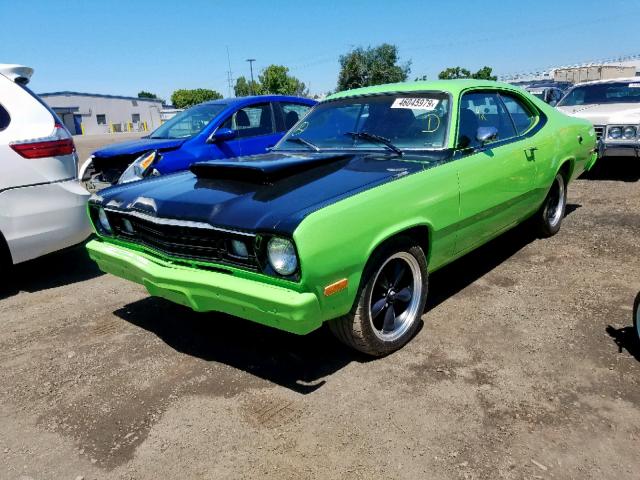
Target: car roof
609,80
264,98
451,86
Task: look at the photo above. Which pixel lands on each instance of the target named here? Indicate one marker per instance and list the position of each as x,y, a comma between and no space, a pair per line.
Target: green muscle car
343,221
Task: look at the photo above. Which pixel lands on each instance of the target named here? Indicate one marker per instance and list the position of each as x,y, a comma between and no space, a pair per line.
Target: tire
636,318
397,271
549,217
6,264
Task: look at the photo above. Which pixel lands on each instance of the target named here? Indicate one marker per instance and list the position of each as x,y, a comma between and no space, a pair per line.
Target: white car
42,204
613,106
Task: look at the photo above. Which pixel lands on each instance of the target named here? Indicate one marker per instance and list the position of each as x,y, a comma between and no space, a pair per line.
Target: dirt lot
525,368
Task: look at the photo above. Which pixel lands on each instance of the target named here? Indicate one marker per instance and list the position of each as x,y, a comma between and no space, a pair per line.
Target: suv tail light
58,143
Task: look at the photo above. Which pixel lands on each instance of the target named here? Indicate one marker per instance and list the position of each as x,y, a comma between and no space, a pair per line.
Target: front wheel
390,301
549,218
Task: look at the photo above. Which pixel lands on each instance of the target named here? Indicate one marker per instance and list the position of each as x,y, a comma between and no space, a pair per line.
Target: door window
293,112
523,118
251,121
483,109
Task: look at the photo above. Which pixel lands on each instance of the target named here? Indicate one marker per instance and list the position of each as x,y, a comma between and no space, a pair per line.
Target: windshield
190,122
613,92
401,121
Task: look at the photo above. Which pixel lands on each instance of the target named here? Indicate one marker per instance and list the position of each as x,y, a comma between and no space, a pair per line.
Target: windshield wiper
372,137
305,142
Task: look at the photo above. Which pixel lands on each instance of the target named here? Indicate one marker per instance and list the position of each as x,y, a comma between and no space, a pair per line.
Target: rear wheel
549,217
390,301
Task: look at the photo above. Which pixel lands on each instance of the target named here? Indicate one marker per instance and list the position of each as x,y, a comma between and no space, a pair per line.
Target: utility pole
229,73
251,60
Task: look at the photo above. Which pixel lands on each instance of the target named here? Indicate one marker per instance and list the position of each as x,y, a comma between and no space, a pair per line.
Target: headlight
629,133
136,171
615,132
104,221
282,256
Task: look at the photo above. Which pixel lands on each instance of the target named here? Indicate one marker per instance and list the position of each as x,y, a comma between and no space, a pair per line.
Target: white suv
42,204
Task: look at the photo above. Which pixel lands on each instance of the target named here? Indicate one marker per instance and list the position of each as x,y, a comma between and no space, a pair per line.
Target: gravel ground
525,368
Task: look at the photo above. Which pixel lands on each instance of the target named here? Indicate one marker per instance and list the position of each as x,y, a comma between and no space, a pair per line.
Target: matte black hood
274,191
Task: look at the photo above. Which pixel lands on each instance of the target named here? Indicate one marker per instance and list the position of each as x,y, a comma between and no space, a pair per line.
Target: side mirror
222,135
486,133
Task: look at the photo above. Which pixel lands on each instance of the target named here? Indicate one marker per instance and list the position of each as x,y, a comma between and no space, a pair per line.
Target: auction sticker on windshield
415,103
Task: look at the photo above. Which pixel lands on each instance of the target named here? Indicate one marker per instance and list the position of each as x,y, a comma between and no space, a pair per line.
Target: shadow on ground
51,271
625,169
625,338
296,362
458,275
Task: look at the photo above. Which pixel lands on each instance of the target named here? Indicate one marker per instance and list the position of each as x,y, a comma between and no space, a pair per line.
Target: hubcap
395,297
555,207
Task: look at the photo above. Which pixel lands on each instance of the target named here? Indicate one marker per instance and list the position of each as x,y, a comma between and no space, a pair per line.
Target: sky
121,47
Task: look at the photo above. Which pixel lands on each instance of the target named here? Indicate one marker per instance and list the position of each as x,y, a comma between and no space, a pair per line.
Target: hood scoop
264,169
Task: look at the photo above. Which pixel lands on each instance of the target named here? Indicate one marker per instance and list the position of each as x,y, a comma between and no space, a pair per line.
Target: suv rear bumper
40,219
206,290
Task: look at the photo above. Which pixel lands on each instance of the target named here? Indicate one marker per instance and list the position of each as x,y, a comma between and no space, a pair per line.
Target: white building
548,73
90,113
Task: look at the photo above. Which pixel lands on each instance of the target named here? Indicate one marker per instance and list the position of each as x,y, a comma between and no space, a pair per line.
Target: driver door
497,178
254,125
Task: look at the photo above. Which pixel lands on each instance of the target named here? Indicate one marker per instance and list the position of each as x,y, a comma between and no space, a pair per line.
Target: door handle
530,152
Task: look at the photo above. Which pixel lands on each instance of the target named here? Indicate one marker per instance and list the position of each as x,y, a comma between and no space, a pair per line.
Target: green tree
145,94
243,88
363,67
275,79
458,72
453,73
185,98
485,74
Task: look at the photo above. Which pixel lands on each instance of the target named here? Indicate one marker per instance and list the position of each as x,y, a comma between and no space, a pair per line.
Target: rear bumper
40,219
205,290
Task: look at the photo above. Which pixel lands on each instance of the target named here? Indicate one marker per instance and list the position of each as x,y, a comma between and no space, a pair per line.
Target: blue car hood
139,146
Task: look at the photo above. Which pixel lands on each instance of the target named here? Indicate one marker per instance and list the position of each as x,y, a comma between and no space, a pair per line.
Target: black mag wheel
395,296
390,301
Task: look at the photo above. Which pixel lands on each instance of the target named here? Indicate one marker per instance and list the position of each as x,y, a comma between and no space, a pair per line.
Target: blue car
213,130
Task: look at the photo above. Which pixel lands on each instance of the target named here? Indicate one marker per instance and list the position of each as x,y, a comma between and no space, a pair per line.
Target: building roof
97,95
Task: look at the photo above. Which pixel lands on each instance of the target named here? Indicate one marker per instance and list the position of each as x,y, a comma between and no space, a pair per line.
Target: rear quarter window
5,119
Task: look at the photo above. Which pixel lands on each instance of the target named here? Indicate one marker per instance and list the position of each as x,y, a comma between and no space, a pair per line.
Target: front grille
182,239
599,131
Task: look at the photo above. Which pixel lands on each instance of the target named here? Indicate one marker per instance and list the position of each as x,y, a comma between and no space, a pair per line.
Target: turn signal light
335,287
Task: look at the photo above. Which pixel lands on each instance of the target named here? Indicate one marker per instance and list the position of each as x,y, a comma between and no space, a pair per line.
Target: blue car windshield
409,121
190,122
